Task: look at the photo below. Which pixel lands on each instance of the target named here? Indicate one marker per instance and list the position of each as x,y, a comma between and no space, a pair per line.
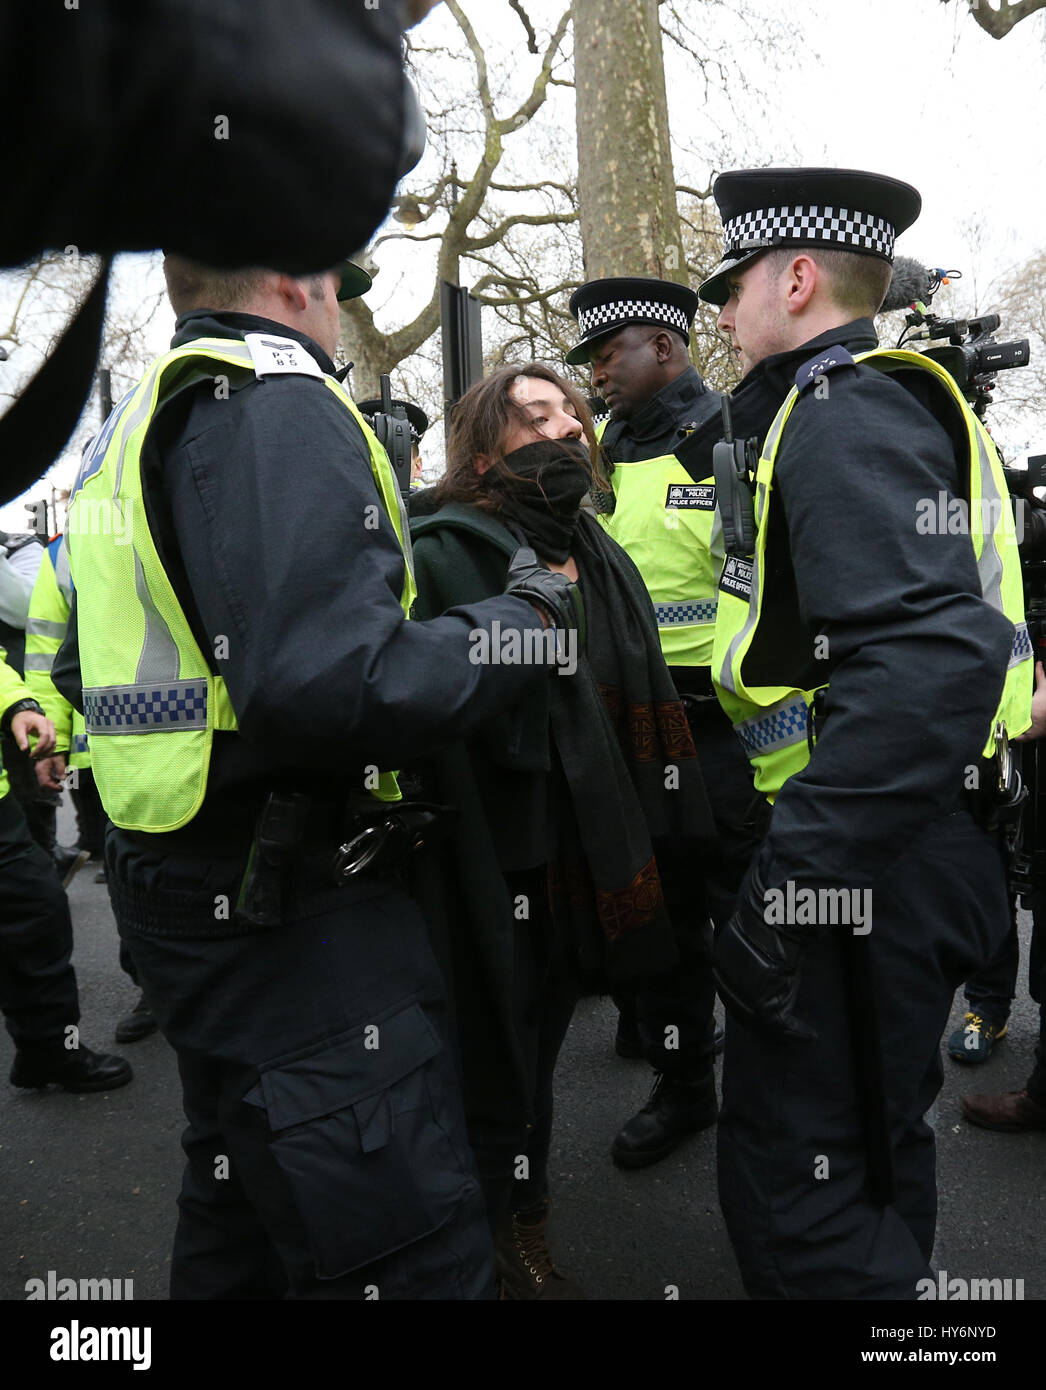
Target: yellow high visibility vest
151,701
44,634
669,526
773,721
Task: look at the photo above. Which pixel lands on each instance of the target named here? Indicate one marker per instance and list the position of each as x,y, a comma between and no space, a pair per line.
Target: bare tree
500,198
629,221
475,216
38,300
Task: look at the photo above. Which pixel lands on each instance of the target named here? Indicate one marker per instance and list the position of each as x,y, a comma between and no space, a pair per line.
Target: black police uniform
697,887
917,663
686,409
326,1145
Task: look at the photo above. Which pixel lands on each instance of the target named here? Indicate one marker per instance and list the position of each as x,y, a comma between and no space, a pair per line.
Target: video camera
973,356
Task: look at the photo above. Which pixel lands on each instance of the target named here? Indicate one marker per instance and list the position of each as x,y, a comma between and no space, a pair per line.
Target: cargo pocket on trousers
359,1130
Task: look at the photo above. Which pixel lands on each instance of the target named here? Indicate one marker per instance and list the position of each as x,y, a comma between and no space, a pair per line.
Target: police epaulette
827,360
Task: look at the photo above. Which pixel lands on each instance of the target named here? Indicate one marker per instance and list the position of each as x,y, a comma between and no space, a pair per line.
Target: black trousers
674,1012
990,992
90,814
792,1158
512,1159
1036,1084
37,983
326,1149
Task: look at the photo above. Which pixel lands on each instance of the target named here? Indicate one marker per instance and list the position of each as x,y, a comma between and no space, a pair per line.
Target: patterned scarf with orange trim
624,746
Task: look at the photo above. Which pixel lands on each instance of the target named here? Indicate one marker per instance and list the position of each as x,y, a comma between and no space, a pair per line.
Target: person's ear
800,282
293,293
483,463
662,345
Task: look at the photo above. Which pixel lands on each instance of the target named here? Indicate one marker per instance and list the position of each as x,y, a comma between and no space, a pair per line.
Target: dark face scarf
544,496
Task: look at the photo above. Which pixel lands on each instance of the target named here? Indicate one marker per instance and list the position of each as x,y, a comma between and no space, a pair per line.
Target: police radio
392,428
734,463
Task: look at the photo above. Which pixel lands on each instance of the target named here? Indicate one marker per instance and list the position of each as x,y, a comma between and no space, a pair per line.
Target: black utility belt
377,839
694,685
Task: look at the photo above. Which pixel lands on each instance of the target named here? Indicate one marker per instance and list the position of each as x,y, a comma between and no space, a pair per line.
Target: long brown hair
478,424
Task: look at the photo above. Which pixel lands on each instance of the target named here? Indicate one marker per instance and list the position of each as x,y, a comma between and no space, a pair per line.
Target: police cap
354,280
845,209
605,306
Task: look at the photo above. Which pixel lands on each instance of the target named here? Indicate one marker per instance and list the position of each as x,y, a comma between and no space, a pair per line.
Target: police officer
635,334
38,994
48,623
870,664
244,712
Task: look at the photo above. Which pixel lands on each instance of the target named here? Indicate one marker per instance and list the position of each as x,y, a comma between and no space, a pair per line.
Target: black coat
262,506
917,657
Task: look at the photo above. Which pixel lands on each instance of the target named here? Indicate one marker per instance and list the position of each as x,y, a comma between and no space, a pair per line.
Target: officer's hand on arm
557,599
757,964
50,772
1038,708
30,721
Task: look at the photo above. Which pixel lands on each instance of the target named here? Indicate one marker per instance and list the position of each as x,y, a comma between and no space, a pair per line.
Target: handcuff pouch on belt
378,840
1008,792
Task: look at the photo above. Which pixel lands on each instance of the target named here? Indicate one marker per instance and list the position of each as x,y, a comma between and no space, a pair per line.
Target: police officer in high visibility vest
38,993
874,668
634,337
246,702
46,629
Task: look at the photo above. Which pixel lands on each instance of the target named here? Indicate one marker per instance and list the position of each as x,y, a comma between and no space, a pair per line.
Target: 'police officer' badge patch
692,496
737,577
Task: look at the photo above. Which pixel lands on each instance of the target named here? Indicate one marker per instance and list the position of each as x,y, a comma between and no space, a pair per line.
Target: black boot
74,1069
139,1023
675,1110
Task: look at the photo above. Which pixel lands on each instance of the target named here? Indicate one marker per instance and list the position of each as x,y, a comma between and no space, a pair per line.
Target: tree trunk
626,184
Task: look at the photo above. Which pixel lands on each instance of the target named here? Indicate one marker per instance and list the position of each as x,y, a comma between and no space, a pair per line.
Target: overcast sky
912,88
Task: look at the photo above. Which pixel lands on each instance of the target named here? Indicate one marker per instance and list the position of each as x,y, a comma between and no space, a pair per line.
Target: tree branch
532,38
526,219
540,88
998,23
694,192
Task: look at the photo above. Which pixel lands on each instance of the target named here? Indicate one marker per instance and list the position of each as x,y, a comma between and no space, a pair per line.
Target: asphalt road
88,1183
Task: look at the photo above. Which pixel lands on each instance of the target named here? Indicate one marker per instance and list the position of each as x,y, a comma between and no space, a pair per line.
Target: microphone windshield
911,281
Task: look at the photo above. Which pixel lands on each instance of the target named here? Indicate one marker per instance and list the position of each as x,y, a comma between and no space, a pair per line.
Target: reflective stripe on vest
143,671
773,722
669,526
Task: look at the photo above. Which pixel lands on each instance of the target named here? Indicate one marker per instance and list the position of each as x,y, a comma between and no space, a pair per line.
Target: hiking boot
973,1042
1013,1112
676,1109
524,1266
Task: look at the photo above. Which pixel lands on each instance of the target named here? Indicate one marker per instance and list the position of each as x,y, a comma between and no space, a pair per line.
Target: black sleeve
65,673
917,657
296,573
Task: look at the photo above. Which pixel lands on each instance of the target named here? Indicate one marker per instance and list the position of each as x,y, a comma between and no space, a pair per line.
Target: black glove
757,963
552,593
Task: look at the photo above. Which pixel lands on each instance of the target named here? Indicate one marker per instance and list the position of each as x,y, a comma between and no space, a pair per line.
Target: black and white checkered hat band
590,321
836,226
